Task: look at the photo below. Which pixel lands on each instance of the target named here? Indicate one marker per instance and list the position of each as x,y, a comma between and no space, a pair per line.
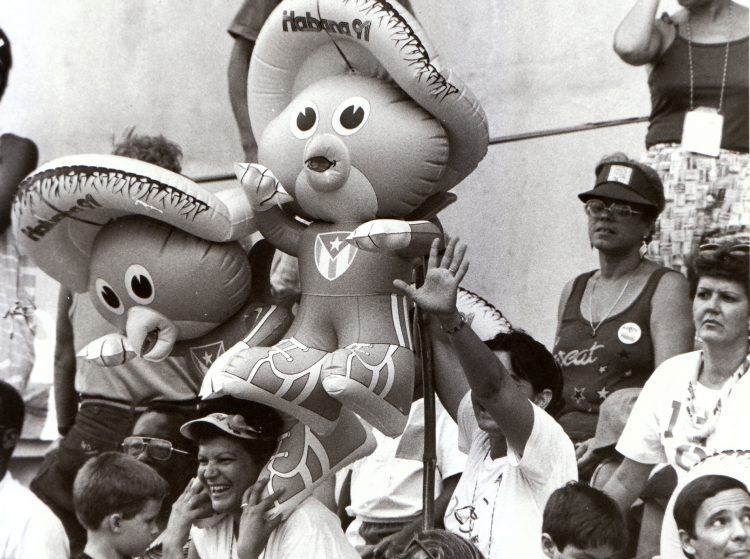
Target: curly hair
151,149
722,260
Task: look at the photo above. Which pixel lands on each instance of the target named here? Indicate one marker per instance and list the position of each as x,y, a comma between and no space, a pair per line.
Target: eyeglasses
597,208
742,249
416,542
158,449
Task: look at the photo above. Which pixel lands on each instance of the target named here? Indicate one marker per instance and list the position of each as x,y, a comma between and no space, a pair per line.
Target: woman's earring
643,250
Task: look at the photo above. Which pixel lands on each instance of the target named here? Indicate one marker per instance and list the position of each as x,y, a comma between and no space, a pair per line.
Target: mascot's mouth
320,164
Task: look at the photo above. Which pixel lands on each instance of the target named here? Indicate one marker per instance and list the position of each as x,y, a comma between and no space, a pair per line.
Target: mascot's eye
139,284
305,121
351,115
108,297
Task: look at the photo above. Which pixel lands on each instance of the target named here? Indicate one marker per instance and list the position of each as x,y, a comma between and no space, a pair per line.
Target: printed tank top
620,355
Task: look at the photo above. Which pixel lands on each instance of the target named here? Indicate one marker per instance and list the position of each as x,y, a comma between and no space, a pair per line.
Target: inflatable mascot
156,252
159,256
362,131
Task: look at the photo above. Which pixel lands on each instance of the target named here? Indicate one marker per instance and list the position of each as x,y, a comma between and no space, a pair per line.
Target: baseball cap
626,181
613,415
234,425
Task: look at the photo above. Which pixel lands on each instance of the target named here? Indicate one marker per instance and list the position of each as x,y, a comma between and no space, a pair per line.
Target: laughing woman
616,323
233,449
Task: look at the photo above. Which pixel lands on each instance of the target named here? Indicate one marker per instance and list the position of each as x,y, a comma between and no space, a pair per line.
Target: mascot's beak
327,163
150,333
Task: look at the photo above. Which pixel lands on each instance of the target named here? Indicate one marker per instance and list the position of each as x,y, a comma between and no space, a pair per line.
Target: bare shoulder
12,145
672,282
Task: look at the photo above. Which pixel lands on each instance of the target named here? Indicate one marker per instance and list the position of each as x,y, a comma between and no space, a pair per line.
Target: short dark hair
114,483
6,61
585,517
721,263
151,149
692,496
441,544
12,409
532,362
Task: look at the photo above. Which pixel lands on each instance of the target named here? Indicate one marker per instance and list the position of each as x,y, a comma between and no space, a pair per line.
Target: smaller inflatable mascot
362,131
156,252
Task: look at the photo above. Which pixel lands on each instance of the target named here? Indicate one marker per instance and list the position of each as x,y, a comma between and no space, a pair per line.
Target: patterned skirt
704,195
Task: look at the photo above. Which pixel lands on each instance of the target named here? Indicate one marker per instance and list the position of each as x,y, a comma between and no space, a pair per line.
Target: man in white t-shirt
518,454
28,528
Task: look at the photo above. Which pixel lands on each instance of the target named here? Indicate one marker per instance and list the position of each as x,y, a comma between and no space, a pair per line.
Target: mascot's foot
286,377
374,380
303,460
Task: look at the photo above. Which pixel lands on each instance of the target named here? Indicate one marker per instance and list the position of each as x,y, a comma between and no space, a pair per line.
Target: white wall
87,69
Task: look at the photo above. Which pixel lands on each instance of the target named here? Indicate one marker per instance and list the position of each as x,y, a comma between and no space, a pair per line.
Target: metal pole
425,369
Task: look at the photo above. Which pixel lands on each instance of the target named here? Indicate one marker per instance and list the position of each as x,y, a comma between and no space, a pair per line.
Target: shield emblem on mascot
204,356
333,255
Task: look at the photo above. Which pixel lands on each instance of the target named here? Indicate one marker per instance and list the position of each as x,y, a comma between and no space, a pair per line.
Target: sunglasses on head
416,542
597,208
158,449
741,249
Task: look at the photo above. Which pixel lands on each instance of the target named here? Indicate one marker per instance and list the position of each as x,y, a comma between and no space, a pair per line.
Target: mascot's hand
151,333
381,235
262,189
109,350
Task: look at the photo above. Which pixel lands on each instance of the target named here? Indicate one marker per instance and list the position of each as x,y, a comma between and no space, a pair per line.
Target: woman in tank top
697,138
616,323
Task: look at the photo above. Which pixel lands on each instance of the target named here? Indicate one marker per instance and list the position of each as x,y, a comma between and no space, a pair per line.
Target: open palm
438,292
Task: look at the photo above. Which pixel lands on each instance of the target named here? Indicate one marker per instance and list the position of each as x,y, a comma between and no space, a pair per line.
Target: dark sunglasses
597,208
158,449
416,542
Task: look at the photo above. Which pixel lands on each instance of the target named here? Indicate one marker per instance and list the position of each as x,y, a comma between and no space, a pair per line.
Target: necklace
726,61
606,315
705,429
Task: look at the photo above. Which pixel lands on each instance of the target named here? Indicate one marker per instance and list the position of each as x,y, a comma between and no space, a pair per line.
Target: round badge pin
629,333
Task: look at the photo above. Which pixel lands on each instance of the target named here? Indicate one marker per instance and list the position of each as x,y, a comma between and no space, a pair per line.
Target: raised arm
491,383
639,38
64,372
18,157
239,63
671,320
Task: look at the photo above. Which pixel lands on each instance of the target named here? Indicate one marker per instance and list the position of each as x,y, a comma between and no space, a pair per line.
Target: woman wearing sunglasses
616,323
696,403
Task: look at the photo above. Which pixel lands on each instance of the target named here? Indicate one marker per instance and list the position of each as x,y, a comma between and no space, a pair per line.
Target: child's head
580,521
119,497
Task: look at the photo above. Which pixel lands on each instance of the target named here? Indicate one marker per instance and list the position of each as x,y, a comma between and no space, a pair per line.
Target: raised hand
255,526
438,293
193,504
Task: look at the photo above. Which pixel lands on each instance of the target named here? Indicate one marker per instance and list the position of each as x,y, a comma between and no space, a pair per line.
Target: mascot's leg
374,380
303,460
286,376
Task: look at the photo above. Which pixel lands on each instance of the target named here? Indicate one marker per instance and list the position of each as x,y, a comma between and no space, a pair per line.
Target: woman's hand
255,528
438,293
193,504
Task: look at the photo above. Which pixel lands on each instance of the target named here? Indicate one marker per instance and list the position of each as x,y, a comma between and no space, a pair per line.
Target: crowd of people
581,451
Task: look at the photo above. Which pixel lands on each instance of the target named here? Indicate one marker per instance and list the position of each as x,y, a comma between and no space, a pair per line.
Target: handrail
504,139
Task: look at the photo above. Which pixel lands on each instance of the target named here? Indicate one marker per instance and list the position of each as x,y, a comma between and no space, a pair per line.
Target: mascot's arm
407,238
266,195
281,230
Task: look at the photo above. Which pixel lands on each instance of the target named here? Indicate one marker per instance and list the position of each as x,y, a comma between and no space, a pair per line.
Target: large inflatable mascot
362,131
